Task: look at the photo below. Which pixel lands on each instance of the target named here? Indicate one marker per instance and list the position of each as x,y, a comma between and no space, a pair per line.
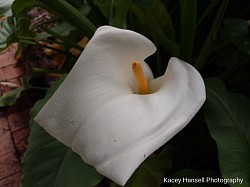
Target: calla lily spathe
97,112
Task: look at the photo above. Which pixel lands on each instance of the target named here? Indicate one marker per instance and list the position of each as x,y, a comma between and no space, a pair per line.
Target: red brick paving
6,143
14,121
11,181
9,164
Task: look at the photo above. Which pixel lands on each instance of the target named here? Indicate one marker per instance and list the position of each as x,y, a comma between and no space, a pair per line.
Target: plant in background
212,35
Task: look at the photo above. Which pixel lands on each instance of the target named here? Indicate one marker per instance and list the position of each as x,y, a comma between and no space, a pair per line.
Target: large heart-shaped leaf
227,116
50,163
151,171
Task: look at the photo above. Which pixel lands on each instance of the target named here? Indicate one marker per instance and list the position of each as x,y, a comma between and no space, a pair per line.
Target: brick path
13,123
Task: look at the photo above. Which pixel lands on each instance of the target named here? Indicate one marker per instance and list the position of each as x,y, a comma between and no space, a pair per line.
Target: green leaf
145,3
151,172
244,45
10,98
67,12
206,14
162,18
104,6
121,10
236,31
234,28
62,28
66,42
20,9
161,37
8,27
99,11
188,27
21,6
48,162
227,116
156,19
209,43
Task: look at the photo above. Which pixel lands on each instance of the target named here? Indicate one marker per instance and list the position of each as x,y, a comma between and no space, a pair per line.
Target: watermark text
170,180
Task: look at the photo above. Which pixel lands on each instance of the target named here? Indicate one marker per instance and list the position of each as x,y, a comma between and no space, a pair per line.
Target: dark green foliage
213,35
49,163
227,116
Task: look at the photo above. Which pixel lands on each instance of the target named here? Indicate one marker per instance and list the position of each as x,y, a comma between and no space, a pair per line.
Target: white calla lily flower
101,112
